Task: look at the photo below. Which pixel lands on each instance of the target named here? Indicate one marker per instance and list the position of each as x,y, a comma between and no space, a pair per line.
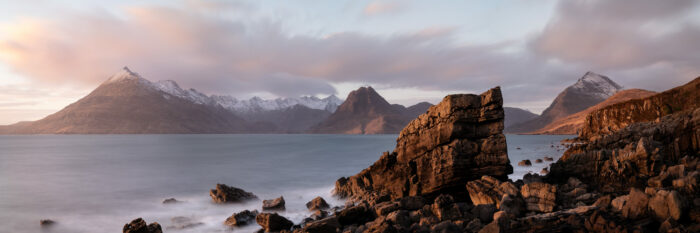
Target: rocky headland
448,173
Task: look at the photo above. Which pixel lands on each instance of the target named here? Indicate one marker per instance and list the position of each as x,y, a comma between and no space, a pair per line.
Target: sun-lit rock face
458,140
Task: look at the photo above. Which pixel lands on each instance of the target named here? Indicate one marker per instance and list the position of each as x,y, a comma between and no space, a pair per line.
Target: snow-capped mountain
596,84
257,104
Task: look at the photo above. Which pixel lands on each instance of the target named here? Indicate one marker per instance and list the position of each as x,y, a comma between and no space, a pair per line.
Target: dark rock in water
329,224
544,171
489,190
274,204
139,226
241,218
272,222
548,159
181,222
458,140
317,204
539,197
170,201
538,161
525,163
46,222
230,194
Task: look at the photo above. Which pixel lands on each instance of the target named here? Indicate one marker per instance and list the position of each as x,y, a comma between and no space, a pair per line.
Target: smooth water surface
97,183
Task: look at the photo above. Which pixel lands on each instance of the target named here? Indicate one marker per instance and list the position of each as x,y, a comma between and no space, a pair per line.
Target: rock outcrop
317,204
230,194
139,226
458,140
274,204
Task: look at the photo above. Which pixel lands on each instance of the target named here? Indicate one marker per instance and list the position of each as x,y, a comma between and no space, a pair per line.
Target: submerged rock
274,204
139,226
170,201
241,218
525,163
181,222
46,222
230,194
458,140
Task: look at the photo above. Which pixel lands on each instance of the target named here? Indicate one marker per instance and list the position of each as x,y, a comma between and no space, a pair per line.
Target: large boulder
636,205
317,203
539,197
458,140
274,204
666,204
139,226
241,218
489,190
230,194
272,222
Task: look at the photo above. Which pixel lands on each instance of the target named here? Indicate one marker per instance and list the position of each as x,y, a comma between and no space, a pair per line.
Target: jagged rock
272,222
636,205
666,204
170,201
525,163
274,204
230,194
445,208
458,140
139,226
489,190
326,225
181,222
539,197
317,204
46,222
241,218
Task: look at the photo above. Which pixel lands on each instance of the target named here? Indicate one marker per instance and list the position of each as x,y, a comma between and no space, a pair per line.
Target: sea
98,183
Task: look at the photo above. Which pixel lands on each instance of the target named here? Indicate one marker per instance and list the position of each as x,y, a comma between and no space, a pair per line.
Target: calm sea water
97,183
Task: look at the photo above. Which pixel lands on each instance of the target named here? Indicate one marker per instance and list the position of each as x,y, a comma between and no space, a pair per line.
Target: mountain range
128,103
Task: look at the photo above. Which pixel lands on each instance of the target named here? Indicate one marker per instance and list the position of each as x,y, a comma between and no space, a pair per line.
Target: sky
52,53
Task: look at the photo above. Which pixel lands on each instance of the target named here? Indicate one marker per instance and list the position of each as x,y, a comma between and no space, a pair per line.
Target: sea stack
458,140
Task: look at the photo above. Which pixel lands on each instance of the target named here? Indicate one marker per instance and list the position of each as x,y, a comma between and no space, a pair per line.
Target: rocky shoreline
448,173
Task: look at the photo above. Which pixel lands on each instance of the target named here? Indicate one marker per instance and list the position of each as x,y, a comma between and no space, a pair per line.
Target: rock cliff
458,140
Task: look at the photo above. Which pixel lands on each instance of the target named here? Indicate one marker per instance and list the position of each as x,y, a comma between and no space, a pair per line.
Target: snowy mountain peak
596,84
125,74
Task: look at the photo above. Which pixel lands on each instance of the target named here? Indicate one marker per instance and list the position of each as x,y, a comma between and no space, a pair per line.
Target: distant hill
128,104
589,90
514,116
366,112
573,123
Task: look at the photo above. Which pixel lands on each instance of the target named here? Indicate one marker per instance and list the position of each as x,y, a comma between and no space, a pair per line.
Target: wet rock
229,194
139,226
666,204
539,197
272,222
319,214
544,171
274,204
326,225
445,208
525,163
548,159
458,140
489,190
182,222
317,203
46,222
170,201
538,160
241,218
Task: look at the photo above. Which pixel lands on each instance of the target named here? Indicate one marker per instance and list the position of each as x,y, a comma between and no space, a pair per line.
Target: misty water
97,183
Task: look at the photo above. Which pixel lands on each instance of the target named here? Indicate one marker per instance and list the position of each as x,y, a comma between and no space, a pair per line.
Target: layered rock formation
617,116
458,140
